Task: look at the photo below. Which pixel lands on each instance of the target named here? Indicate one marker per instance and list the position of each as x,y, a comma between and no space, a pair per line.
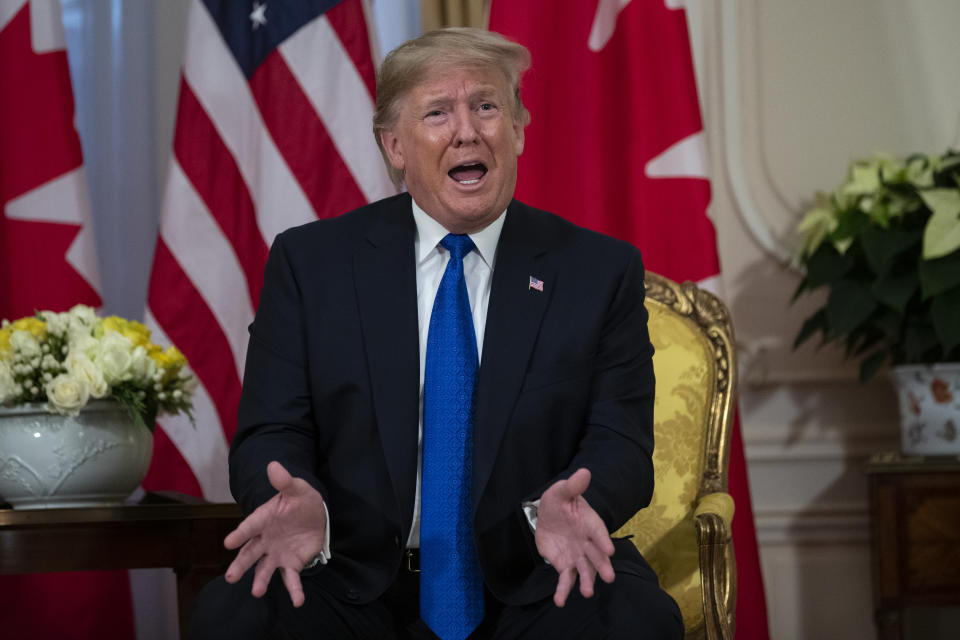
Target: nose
464,127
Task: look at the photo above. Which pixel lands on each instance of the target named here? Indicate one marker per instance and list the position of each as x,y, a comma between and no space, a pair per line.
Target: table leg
889,624
189,583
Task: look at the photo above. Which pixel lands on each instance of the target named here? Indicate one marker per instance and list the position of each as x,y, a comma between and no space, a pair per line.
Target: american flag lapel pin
536,284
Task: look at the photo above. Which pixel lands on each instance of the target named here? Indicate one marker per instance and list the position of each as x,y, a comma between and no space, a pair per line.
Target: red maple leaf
38,143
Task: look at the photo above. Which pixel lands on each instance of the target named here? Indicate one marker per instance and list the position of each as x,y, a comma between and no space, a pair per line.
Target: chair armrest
718,584
719,503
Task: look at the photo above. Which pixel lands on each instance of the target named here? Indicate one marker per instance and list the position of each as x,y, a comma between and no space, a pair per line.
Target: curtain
435,14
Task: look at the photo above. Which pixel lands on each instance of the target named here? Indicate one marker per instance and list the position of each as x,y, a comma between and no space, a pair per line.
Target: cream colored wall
791,91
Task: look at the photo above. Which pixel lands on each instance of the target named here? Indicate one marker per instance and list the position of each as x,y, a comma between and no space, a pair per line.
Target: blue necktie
451,587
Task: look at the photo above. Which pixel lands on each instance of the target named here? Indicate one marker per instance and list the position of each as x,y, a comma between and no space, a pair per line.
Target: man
347,403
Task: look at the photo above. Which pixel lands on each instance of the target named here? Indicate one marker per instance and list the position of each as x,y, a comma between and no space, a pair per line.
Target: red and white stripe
250,159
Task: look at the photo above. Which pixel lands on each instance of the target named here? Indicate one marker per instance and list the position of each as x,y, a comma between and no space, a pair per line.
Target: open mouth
469,173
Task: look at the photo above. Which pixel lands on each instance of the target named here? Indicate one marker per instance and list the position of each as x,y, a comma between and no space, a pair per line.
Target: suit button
396,541
352,594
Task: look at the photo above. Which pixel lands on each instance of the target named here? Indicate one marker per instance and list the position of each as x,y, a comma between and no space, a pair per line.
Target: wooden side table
163,530
915,516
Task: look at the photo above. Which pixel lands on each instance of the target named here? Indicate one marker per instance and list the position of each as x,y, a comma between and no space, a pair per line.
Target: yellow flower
34,326
170,361
132,330
5,339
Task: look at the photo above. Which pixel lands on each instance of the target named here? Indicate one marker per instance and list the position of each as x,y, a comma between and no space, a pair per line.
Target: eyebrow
485,91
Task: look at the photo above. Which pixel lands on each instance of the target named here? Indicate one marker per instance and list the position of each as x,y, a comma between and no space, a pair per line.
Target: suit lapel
386,288
513,322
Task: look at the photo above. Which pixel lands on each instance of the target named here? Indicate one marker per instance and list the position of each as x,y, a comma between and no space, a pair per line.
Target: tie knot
458,245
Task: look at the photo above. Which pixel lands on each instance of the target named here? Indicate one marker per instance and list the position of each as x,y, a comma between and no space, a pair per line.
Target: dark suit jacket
331,389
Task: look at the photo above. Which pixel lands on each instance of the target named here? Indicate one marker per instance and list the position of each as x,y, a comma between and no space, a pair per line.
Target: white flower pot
929,397
96,458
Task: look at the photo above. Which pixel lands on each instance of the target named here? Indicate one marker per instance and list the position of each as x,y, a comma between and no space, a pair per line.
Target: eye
434,113
487,106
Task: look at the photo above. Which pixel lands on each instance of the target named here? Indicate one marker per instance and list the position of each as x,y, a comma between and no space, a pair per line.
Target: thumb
280,478
575,485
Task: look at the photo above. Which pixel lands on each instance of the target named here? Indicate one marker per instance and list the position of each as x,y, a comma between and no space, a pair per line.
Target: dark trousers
630,607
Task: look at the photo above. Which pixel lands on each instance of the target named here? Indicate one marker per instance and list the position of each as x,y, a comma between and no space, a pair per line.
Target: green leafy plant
886,245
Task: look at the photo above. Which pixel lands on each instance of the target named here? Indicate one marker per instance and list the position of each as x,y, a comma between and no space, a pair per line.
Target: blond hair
457,48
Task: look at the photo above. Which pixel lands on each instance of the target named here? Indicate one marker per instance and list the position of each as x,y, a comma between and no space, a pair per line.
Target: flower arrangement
886,245
67,359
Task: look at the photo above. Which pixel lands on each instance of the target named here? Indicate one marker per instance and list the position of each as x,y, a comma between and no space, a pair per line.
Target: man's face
457,143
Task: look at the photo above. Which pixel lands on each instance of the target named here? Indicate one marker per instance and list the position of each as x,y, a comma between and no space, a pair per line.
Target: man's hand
283,533
572,537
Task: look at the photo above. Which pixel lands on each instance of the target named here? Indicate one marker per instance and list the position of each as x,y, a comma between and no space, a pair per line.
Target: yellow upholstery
684,533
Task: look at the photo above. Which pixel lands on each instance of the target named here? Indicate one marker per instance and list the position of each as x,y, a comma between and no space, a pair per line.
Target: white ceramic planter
929,397
47,460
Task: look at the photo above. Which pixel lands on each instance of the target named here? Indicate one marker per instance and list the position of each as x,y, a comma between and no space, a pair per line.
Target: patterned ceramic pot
47,460
929,397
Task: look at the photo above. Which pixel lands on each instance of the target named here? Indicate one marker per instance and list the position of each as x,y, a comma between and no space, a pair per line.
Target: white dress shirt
432,261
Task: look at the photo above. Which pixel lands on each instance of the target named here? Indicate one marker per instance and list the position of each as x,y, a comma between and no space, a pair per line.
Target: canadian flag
47,254
47,261
616,144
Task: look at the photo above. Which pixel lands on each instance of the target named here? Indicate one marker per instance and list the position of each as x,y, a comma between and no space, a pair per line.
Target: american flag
273,130
536,283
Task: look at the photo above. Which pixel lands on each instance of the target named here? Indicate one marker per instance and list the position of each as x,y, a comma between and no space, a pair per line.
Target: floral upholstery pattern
665,532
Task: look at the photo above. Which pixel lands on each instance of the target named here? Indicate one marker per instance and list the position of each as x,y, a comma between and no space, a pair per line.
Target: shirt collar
430,233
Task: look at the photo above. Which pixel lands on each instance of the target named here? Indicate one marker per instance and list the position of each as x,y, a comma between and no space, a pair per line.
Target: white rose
81,367
25,344
82,314
143,367
7,385
67,394
115,358
86,345
79,333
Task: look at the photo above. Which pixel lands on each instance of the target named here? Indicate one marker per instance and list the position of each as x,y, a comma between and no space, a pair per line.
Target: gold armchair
685,532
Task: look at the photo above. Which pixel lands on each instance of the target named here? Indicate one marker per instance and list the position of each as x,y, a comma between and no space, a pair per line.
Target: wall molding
854,452
830,526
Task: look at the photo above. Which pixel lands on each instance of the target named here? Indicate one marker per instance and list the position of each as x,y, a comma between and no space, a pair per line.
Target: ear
518,127
393,148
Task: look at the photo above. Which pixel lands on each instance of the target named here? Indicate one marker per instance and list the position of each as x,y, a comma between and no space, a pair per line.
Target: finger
240,536
261,579
600,537
564,584
600,563
291,579
280,478
236,570
246,558
586,573
251,526
595,530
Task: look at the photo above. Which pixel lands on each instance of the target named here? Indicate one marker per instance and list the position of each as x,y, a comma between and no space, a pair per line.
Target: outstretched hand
284,533
572,537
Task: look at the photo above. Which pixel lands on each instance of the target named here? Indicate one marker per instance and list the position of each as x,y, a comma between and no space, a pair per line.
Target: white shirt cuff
324,555
530,508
